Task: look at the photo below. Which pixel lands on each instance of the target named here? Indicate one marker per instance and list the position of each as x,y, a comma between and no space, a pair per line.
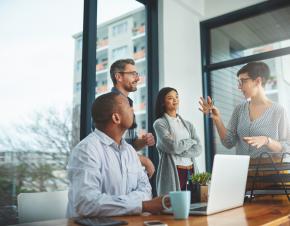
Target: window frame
208,67
89,68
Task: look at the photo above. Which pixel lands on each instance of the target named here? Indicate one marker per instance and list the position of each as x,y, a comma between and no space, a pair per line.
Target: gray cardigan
167,175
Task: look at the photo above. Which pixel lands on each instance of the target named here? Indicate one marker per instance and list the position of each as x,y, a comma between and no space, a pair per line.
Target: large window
121,34
37,89
126,38
232,42
46,85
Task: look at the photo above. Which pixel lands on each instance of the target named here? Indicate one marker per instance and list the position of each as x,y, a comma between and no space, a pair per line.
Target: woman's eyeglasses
242,81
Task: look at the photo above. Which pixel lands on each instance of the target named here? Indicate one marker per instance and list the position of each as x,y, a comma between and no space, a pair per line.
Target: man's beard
134,124
130,88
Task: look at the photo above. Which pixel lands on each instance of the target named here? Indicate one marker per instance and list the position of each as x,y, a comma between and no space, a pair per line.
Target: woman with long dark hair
177,144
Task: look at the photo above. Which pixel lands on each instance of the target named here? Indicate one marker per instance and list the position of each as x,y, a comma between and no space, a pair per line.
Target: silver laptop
227,187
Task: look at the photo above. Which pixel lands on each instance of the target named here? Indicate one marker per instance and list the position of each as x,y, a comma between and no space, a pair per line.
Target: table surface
258,212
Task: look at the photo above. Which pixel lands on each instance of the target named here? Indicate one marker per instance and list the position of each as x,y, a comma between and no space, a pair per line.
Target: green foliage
201,178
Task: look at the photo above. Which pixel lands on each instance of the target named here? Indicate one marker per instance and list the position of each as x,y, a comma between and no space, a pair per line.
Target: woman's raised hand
208,108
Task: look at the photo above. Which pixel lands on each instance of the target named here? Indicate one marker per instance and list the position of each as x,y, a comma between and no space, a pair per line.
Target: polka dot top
272,123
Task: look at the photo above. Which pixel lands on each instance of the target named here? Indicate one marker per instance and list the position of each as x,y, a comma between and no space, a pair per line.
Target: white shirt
105,179
180,133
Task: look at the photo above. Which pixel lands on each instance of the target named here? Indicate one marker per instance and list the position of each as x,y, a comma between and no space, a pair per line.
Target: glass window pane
36,95
226,94
121,34
254,35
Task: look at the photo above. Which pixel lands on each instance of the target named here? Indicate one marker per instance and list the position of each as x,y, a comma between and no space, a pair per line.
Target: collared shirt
131,134
180,132
106,179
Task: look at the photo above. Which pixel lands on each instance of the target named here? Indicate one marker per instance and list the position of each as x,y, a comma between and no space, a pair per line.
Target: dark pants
185,180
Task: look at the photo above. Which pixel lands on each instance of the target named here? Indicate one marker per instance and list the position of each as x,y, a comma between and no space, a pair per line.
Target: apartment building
121,37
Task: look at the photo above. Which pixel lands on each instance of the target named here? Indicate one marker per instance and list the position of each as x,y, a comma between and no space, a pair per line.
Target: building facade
121,37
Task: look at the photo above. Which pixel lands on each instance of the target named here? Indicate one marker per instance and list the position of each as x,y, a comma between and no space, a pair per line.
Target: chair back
42,206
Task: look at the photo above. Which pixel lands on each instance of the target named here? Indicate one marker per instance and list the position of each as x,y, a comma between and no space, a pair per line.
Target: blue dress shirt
106,179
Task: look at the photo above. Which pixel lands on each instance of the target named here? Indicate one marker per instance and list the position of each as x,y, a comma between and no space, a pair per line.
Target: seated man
105,174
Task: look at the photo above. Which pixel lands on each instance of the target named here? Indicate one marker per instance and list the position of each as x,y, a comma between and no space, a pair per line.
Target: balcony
102,66
139,54
138,30
142,81
139,107
101,89
102,43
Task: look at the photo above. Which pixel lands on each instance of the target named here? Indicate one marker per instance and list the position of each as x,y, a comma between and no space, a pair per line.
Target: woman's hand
207,107
257,141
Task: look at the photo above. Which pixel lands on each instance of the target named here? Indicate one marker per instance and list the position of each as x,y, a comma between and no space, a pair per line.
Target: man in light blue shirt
106,177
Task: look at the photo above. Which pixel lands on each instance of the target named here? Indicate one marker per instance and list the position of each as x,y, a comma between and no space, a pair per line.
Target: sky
37,52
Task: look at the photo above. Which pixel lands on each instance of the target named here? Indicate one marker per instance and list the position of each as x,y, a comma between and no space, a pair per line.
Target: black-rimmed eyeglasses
242,81
132,73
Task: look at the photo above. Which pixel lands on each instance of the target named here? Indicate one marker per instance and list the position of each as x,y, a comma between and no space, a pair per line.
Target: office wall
179,51
180,59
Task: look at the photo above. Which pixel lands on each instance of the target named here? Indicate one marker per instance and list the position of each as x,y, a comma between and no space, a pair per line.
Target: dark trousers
185,180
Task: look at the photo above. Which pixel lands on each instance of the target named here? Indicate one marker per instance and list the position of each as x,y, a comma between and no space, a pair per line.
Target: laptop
227,187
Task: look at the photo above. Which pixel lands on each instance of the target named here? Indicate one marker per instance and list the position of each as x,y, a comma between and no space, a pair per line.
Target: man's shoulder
84,142
115,90
91,142
129,147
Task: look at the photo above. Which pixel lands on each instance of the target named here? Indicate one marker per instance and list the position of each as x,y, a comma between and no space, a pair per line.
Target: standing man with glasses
125,77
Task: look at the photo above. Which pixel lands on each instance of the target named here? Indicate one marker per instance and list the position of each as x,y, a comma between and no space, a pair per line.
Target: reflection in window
257,34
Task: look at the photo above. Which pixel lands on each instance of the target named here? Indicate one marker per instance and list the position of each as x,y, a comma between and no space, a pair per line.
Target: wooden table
269,212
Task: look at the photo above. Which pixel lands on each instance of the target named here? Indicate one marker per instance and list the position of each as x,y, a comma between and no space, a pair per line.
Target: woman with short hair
257,124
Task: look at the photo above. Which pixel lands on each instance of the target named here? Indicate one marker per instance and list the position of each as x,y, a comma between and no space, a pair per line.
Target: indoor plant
200,183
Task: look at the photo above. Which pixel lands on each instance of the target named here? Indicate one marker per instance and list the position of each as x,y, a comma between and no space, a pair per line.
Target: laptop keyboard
203,208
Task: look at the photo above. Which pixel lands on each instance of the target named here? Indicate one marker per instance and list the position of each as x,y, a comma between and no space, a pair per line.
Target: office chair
42,206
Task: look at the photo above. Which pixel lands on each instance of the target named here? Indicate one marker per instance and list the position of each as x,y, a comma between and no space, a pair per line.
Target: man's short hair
103,108
119,66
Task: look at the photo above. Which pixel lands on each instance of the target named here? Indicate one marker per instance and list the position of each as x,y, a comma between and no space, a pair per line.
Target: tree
38,148
48,132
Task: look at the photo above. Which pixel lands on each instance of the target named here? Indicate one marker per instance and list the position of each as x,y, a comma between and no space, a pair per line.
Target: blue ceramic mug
180,203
